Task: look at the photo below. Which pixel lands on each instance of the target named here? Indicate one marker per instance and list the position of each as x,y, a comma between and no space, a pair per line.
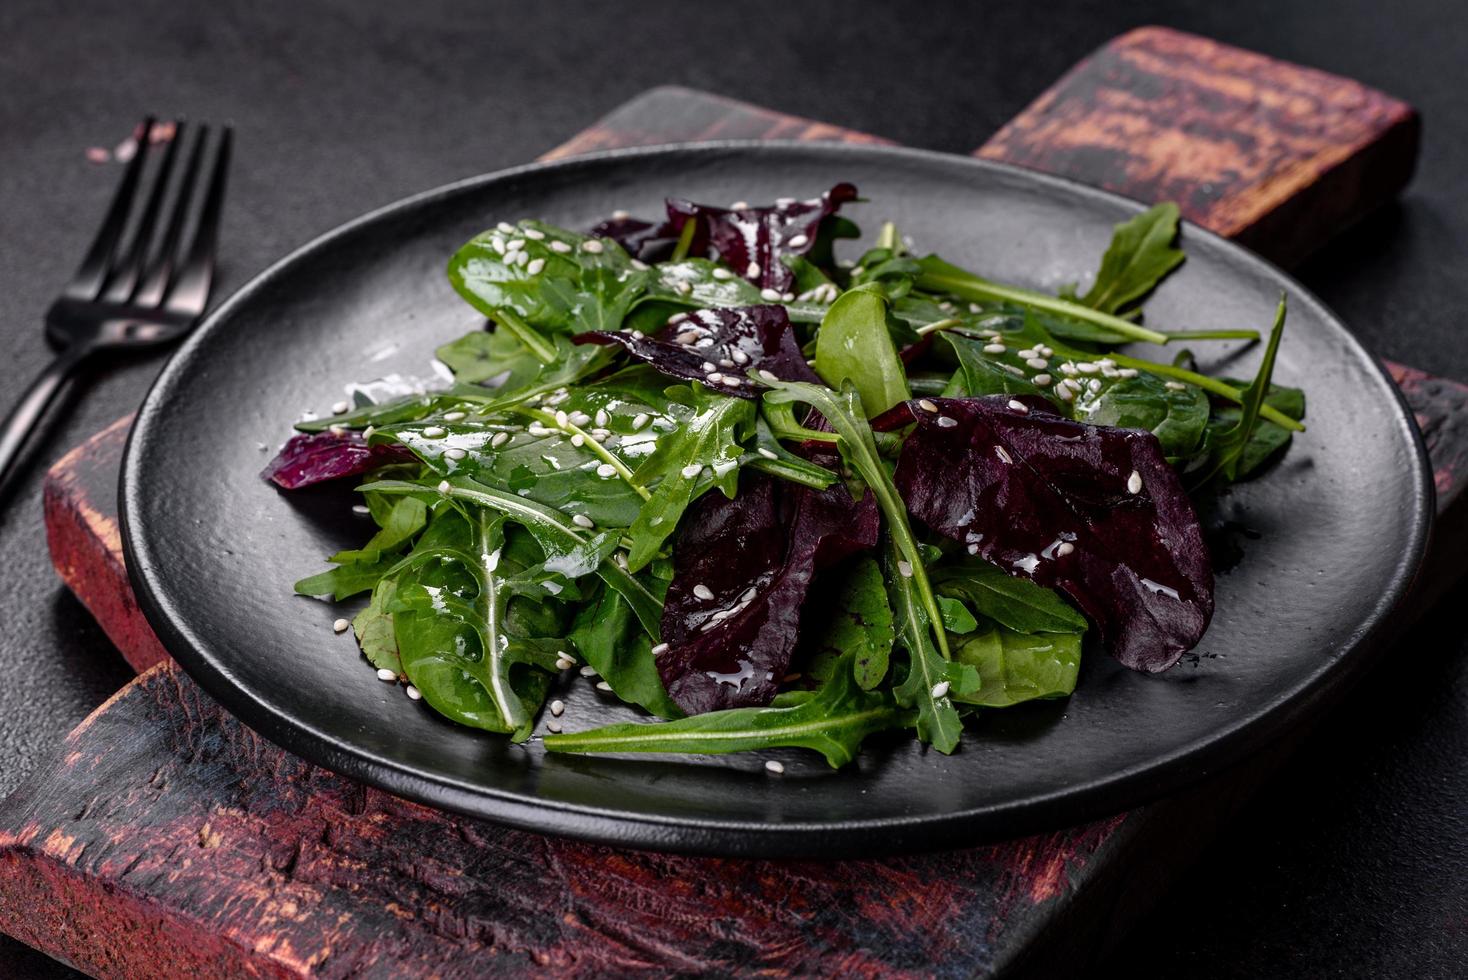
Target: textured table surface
1355,859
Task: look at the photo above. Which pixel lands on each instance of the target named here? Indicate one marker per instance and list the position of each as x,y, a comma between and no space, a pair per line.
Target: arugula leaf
703,452
1226,448
956,617
346,580
402,522
854,345
860,623
1268,438
1017,603
932,680
1140,255
833,722
1016,667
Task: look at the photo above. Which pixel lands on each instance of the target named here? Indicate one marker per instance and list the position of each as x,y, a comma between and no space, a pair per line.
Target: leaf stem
588,442
1220,388
526,334
685,240
1210,334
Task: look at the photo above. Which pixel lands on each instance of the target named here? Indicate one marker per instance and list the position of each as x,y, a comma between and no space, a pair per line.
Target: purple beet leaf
320,456
719,347
1093,511
642,239
741,570
751,241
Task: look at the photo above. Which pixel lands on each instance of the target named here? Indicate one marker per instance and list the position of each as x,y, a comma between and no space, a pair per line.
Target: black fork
150,292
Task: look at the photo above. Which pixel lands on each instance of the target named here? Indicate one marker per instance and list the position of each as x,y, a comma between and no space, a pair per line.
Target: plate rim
1144,783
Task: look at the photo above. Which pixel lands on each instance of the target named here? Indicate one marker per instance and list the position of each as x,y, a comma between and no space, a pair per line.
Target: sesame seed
535,234
769,295
798,241
1067,368
361,510
768,375
591,245
1106,362
1064,393
558,707
975,308
562,418
444,486
602,418
767,453
581,520
738,205
946,306
787,297
1003,456
603,686
1110,372
677,318
751,270
514,246
725,362
337,430
579,418
683,288
507,228
578,440
341,626
553,726
927,405
453,417
588,671
660,649
1041,380
534,266
774,766
686,337
994,348
340,407
606,471
1134,482
905,568
1087,367
730,382
1094,385
1127,373
940,689
384,674
944,422
709,367
691,470
414,694
723,274
561,247
455,453
1064,548
433,431
703,592
639,420
1177,386
715,377
740,357
1037,362
498,244
500,438
1019,407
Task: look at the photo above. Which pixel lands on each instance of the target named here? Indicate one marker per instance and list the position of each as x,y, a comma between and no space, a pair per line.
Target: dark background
1354,862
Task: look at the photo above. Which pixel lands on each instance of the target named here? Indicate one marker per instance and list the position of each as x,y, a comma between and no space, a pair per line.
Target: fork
132,297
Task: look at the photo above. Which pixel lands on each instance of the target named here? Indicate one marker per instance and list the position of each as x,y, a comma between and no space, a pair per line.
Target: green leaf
1268,438
980,373
860,625
1017,603
956,617
1226,448
703,452
346,580
833,722
932,681
487,354
1140,256
609,638
1016,667
404,519
373,627
855,345
577,283
691,283
1177,416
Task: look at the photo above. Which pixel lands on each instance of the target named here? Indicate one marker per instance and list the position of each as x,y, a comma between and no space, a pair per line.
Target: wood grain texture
167,833
1273,155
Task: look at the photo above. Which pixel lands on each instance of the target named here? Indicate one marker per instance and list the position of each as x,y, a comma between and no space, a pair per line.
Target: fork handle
31,408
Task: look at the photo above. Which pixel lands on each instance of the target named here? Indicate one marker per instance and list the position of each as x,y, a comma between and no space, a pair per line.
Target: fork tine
93,271
150,290
189,293
126,271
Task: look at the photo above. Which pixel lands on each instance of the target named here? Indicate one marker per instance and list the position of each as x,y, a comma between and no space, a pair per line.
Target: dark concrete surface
1353,863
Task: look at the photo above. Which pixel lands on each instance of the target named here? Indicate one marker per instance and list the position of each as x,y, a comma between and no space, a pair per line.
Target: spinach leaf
1017,667
860,624
1140,255
833,722
486,355
956,617
1017,603
983,372
609,638
1176,414
374,629
536,280
854,345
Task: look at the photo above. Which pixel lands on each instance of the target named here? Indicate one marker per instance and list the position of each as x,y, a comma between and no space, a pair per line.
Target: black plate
1342,524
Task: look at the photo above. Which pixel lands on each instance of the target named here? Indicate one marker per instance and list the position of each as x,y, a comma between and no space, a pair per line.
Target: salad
772,498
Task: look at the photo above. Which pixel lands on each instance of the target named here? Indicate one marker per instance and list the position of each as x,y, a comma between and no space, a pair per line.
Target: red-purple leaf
751,241
742,568
320,456
1093,511
719,347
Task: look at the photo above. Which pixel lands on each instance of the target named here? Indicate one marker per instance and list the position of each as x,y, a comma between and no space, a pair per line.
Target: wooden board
166,837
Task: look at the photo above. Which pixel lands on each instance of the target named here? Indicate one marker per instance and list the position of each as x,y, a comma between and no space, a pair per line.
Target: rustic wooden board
167,833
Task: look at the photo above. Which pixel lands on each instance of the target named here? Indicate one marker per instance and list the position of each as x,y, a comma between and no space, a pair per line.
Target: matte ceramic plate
1337,529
